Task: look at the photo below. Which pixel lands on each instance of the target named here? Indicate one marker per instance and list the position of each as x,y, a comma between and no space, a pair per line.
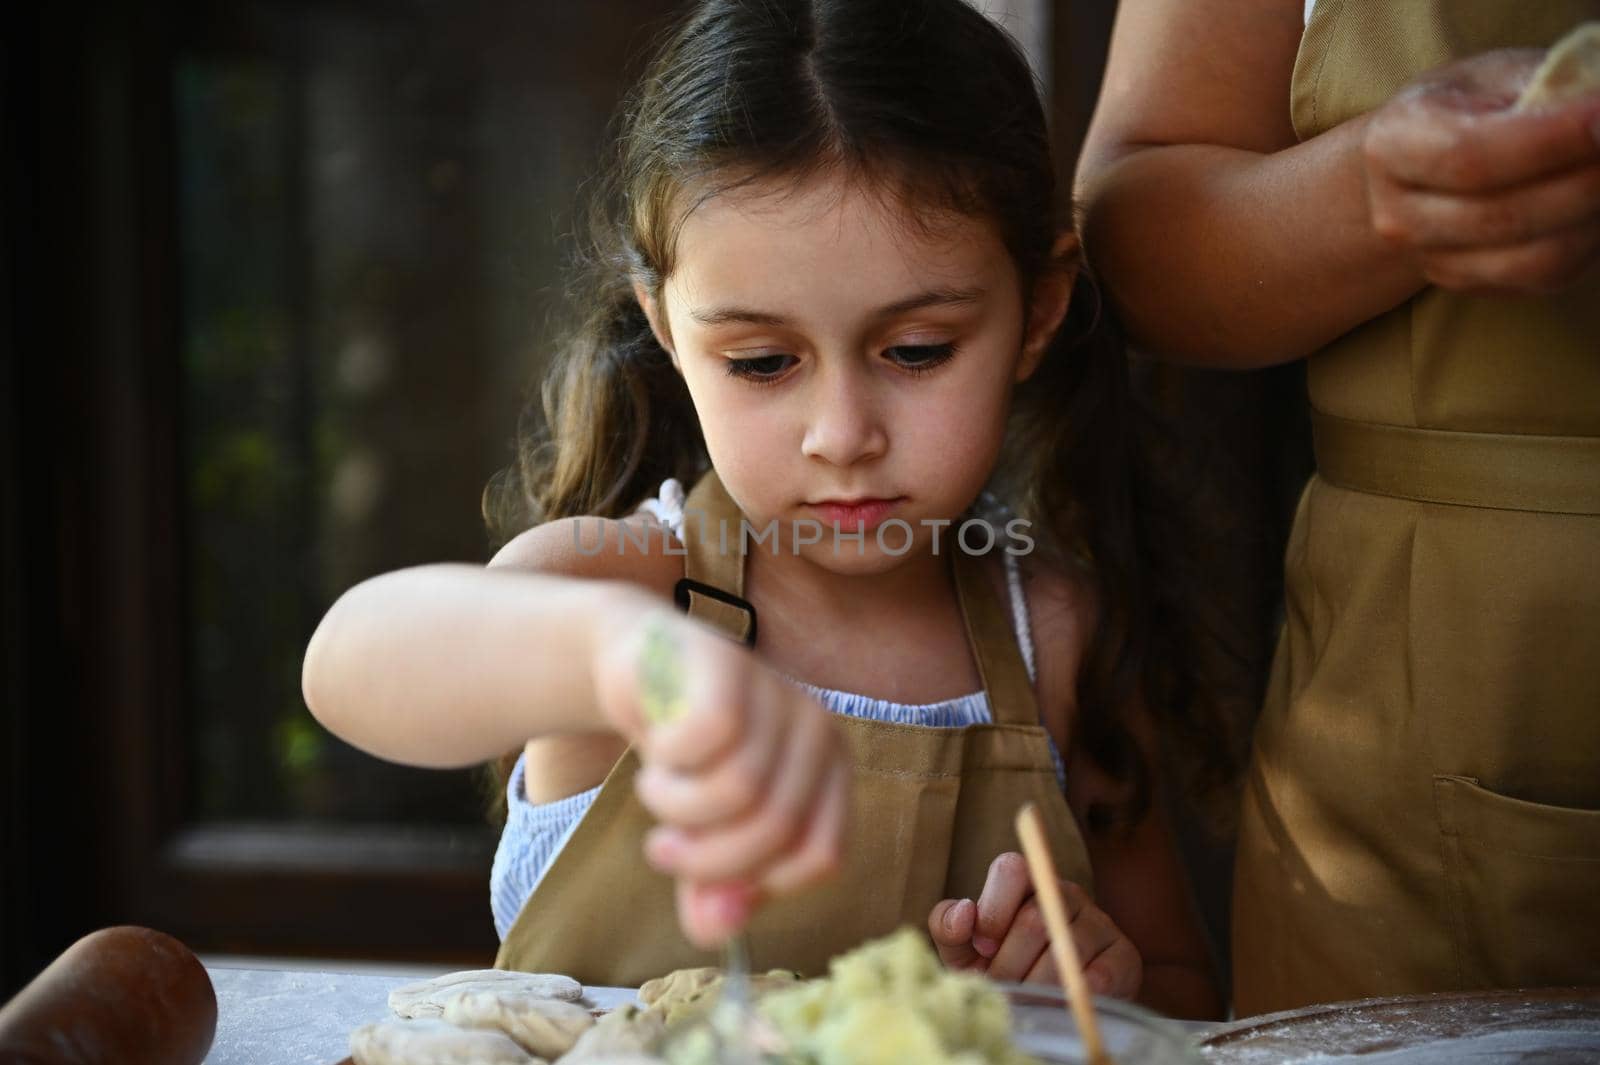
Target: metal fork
734,1025
733,1019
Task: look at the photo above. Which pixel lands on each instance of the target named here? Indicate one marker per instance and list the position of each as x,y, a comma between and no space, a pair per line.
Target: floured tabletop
1549,1027
301,1017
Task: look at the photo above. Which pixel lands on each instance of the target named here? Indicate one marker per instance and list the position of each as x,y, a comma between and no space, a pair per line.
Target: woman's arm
1221,238
450,665
1223,241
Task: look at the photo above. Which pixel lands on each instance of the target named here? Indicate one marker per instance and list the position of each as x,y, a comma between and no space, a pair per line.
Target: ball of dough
433,1042
1570,70
426,998
677,986
621,1034
544,1026
691,994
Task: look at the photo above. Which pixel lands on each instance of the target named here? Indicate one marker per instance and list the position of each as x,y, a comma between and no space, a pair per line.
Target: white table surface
287,1016
305,1017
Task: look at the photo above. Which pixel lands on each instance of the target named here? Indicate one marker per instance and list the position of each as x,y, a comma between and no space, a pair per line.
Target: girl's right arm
1224,240
450,665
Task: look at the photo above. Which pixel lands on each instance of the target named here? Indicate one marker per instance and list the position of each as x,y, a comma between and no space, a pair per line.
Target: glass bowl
1043,1026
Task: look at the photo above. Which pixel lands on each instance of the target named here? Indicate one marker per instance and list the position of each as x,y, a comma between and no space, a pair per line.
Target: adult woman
1423,810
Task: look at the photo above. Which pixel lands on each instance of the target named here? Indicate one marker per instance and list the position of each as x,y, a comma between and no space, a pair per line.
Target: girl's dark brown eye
761,368
920,358
914,358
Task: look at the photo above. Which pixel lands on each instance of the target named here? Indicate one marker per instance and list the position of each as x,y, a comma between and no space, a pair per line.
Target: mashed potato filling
887,1002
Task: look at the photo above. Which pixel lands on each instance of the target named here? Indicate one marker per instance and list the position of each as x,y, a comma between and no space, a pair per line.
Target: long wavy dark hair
931,103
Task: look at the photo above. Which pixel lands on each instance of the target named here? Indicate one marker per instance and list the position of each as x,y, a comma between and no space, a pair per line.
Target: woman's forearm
448,665
1237,259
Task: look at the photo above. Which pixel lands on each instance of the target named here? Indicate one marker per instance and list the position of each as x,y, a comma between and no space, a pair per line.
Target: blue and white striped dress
535,832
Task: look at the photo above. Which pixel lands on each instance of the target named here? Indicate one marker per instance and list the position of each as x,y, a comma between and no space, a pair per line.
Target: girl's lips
867,514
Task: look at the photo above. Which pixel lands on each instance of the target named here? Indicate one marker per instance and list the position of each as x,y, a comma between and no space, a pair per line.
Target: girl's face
834,353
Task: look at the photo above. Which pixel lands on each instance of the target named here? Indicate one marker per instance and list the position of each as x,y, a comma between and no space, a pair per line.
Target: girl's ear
652,311
1052,292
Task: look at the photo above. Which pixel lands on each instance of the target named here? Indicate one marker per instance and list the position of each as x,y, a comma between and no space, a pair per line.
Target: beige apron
930,809
1423,811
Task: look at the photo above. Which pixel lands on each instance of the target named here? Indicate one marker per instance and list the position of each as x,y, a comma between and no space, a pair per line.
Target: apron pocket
1524,887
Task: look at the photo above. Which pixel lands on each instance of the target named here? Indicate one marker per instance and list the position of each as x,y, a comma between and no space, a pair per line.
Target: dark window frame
98,775
385,891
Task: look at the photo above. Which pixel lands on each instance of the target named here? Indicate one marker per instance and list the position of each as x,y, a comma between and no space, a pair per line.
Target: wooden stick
1047,889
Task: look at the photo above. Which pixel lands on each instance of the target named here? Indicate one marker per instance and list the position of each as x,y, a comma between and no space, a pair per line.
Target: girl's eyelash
745,369
937,355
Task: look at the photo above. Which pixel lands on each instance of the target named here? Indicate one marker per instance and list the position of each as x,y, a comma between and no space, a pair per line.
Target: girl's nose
843,425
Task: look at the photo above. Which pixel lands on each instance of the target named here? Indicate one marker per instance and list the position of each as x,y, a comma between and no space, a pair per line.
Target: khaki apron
1423,810
930,809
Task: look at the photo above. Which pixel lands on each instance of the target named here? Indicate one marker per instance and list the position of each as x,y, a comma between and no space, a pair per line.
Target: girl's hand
747,775
1003,934
1483,197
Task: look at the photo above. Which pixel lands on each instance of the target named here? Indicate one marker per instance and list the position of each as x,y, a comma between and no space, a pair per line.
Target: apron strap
712,588
994,645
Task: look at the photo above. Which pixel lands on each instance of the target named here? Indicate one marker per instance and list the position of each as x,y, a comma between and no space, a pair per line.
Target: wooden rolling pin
119,995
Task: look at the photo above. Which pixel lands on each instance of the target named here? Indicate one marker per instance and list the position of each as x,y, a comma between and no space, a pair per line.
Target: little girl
827,303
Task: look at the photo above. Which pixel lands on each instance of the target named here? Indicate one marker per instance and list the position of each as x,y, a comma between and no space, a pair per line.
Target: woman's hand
1004,935
748,776
1483,197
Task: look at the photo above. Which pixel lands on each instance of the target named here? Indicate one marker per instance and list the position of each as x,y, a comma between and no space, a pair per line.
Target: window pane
369,208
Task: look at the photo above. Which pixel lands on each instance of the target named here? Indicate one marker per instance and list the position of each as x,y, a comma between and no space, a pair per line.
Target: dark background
275,278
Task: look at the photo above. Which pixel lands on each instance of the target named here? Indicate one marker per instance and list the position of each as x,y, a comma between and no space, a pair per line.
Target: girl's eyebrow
937,297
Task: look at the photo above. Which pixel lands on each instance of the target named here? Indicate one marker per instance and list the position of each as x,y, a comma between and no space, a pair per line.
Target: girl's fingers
677,690
1097,939
810,746
710,914
1093,934
741,848
1043,971
715,716
1022,946
1117,971
1544,265
725,791
1427,219
631,675
820,850
1004,891
950,924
